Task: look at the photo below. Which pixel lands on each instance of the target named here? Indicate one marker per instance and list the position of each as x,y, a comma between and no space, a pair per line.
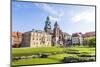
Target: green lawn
31,51
34,61
56,54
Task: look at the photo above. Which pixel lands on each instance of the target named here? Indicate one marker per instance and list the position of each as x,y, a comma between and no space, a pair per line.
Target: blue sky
71,18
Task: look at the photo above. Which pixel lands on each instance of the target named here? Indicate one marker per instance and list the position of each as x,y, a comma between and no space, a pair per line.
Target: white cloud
57,13
54,18
46,8
86,16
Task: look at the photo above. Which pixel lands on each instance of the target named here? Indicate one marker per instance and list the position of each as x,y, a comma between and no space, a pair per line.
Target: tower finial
48,18
56,24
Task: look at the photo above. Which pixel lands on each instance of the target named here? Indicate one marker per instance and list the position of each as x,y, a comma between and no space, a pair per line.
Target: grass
31,51
51,59
56,55
34,61
61,56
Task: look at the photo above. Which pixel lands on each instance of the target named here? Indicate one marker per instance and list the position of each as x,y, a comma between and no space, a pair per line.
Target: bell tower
47,27
56,30
56,33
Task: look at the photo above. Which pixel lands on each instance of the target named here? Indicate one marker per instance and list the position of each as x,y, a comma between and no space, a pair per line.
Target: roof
77,34
89,34
66,34
16,34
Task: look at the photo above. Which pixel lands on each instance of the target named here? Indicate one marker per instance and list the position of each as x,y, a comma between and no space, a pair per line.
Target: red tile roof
89,34
17,34
17,38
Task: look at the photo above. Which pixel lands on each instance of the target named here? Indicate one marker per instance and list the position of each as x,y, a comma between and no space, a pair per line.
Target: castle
46,38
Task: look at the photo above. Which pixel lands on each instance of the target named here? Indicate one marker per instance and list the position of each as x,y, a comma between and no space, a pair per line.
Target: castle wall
37,39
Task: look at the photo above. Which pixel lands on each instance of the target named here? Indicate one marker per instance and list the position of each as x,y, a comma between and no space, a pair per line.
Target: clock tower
47,27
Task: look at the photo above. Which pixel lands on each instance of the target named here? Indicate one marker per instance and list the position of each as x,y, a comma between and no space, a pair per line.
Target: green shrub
92,42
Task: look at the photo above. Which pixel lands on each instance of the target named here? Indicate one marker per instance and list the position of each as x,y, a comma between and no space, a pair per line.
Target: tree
92,42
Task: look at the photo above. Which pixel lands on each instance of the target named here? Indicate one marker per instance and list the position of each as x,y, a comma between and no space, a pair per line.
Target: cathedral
58,37
47,38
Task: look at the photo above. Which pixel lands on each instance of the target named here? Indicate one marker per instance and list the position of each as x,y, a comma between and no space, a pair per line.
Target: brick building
16,39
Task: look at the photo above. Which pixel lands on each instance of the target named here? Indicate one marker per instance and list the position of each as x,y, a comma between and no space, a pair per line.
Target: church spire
48,18
56,29
57,34
56,26
47,27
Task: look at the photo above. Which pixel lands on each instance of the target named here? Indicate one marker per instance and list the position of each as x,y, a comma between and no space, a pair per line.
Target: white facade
37,39
77,39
